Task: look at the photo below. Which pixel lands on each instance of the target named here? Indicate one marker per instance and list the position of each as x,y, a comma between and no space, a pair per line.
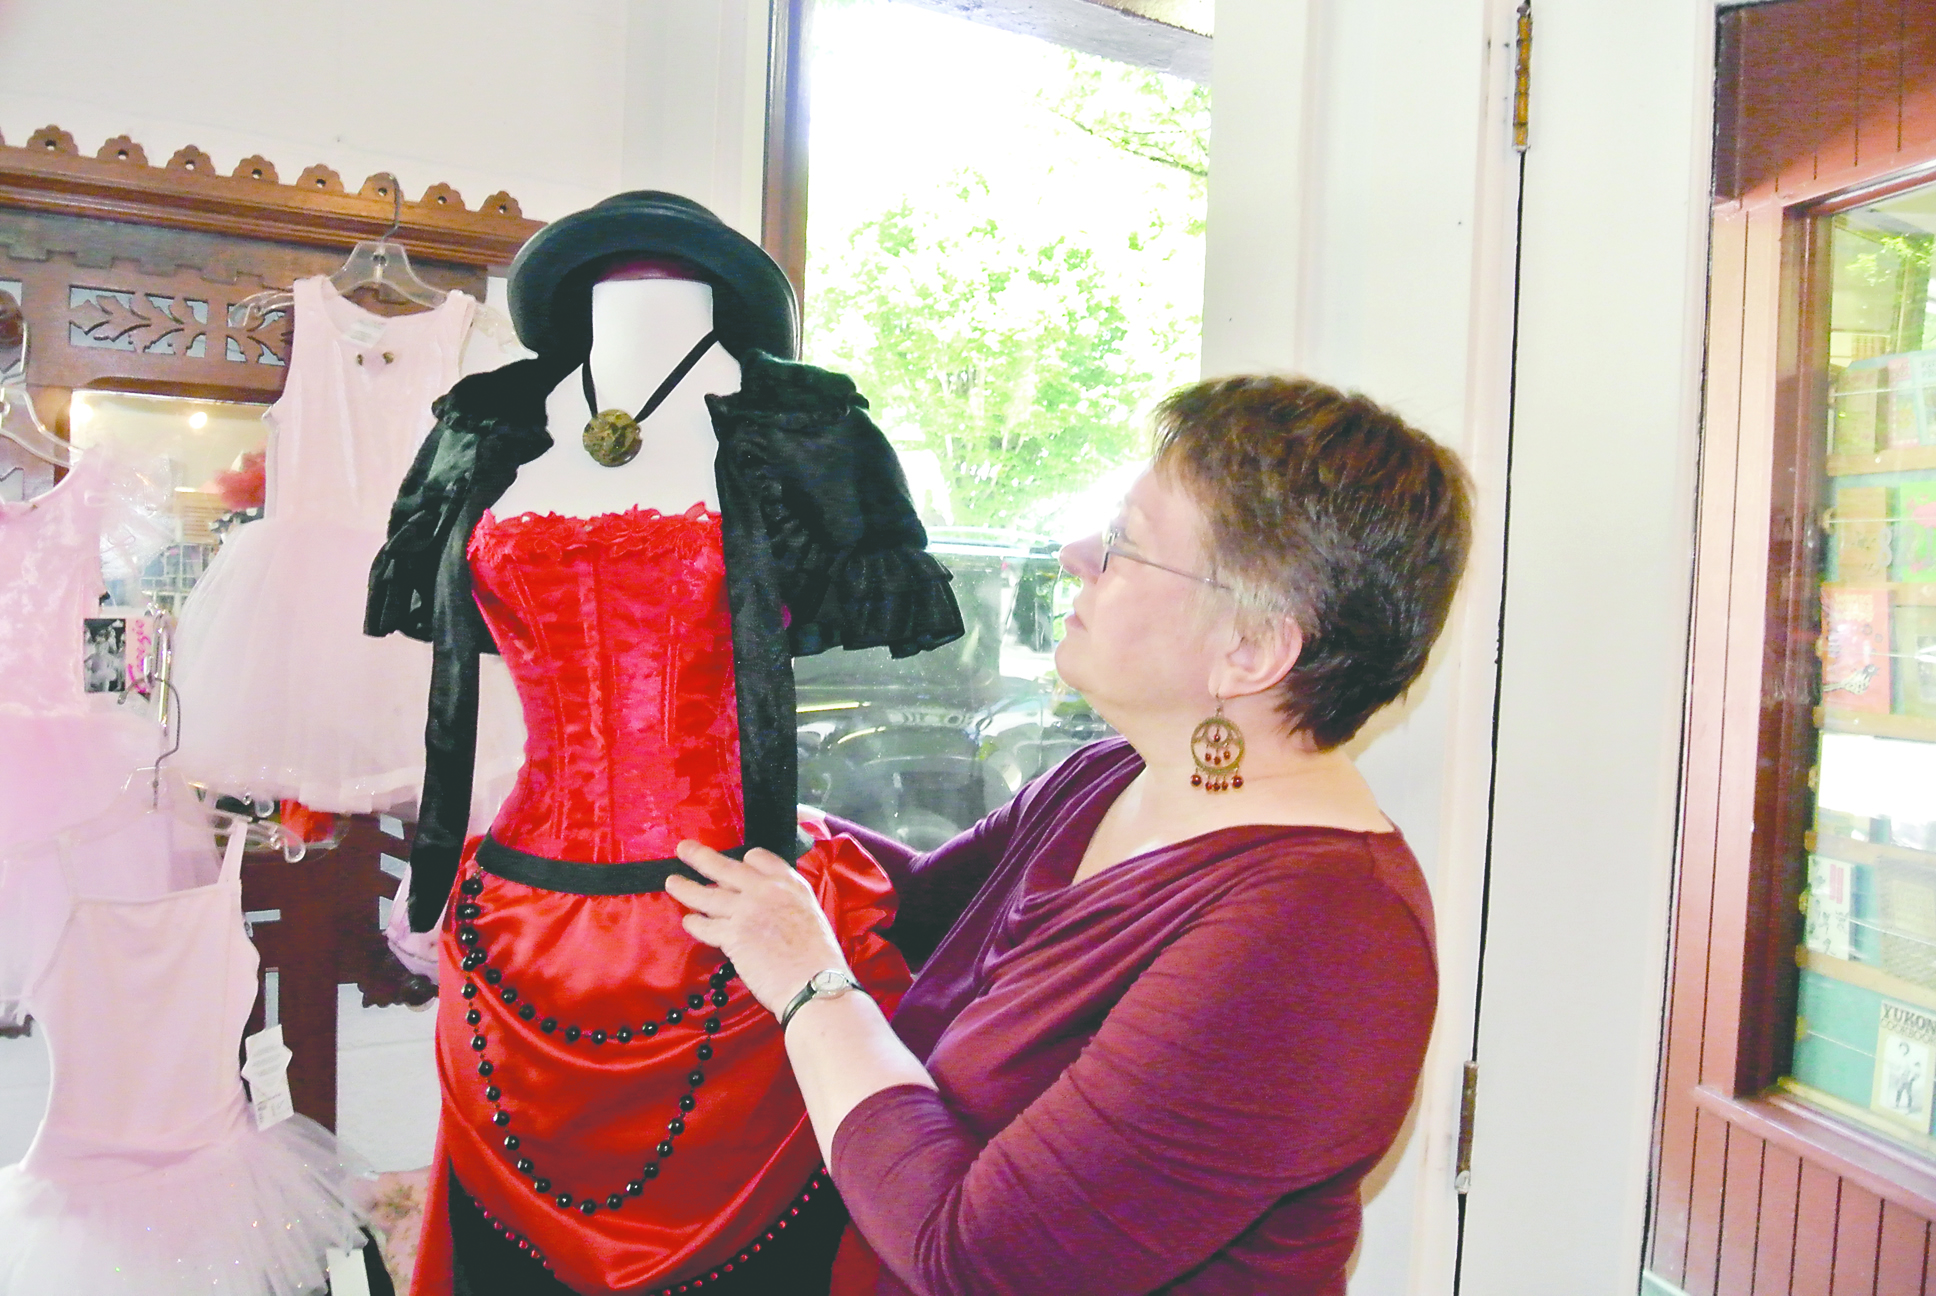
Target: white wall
1360,230
695,120
560,104
1595,653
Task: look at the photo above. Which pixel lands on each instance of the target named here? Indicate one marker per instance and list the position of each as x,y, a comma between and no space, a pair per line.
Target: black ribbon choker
612,436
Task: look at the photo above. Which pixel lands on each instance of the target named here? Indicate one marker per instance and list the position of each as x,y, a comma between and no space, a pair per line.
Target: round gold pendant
612,438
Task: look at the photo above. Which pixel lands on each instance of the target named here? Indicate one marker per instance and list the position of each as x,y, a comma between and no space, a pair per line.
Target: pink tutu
148,1172
250,1216
283,695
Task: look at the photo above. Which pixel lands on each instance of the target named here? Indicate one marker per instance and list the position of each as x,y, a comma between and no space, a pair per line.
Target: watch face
831,981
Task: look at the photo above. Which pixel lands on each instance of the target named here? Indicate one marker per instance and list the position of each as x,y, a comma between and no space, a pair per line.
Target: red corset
618,636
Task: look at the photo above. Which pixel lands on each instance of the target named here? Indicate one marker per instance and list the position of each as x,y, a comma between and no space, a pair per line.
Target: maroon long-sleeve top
1170,1076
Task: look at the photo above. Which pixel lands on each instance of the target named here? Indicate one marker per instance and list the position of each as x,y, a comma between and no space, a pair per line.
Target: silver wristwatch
829,983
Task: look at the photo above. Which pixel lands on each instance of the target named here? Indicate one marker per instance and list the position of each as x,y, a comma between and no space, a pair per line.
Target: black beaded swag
699,1013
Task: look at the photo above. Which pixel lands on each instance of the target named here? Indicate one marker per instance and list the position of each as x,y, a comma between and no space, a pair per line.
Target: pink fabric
1170,1076
121,932
118,952
50,579
148,1173
64,754
283,694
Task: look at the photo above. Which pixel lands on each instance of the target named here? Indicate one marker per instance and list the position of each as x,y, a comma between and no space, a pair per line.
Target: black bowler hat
552,277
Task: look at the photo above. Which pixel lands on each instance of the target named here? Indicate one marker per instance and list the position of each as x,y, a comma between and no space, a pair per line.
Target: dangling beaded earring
1217,746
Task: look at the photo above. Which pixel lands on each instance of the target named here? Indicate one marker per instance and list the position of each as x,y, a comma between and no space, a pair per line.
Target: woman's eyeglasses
1110,549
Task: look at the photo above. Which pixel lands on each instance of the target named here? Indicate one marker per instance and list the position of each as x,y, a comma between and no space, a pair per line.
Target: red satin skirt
611,1095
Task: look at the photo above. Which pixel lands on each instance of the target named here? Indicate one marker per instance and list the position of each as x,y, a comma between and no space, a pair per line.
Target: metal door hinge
1468,1101
1523,76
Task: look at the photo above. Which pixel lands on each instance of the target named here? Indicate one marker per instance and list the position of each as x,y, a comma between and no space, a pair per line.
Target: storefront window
1009,261
1865,1038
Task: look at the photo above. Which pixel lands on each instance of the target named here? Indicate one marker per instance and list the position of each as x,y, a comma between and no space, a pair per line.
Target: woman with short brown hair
1174,997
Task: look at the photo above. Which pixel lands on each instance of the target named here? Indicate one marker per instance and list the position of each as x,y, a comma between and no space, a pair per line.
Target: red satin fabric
616,631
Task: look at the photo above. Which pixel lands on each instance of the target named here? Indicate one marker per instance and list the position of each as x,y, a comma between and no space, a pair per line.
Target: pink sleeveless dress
64,753
121,934
282,693
148,1174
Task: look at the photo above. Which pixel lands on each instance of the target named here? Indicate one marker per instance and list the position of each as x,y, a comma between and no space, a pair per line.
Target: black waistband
633,877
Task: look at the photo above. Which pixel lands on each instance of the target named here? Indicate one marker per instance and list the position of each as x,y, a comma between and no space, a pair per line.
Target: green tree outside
1021,365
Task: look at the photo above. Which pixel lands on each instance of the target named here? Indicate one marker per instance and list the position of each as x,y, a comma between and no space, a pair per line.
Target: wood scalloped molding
49,174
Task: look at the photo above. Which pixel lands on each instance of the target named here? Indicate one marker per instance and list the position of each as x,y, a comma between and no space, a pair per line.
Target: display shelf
1902,593
1868,976
1898,459
1875,724
1852,851
1855,1115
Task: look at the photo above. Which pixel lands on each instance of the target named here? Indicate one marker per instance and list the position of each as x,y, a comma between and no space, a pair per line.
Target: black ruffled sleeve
849,553
823,549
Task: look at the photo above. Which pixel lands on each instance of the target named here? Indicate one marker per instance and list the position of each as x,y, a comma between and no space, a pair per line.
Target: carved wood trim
115,305
49,174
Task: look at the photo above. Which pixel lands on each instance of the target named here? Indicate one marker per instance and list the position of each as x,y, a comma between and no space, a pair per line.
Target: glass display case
1865,1034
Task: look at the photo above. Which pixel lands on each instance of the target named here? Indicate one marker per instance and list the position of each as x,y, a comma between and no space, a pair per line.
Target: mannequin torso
642,327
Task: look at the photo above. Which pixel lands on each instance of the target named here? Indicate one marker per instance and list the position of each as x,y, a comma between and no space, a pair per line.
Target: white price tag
266,1068
347,1276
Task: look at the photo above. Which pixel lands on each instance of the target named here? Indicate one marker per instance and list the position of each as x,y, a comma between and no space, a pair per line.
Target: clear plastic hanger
139,795
20,422
373,263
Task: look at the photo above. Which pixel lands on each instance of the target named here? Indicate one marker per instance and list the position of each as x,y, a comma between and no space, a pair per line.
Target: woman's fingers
723,869
762,914
764,861
707,931
697,896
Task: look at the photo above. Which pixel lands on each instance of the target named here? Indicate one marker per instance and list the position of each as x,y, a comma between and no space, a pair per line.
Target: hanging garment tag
364,331
266,1068
347,1276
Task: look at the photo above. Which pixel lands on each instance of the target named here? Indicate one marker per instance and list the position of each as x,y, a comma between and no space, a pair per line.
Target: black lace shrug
822,549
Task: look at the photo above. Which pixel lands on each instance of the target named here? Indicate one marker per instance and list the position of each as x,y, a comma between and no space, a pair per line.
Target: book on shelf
1860,528
1916,531
1855,665
1915,660
1905,1066
1831,896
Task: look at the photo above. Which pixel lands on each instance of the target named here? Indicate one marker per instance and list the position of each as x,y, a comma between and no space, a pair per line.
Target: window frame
1735,1157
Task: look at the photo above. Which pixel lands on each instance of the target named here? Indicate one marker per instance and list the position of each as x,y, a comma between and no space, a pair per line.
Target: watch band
795,1004
811,991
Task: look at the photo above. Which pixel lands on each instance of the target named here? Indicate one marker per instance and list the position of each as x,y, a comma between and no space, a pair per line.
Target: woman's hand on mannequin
762,915
765,918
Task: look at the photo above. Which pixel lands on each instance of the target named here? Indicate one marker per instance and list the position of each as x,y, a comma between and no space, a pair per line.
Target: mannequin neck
641,328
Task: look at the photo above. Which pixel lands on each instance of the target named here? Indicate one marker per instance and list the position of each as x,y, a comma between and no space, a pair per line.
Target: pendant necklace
612,437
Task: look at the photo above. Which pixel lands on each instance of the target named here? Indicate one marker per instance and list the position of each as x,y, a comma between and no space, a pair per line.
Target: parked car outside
923,747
